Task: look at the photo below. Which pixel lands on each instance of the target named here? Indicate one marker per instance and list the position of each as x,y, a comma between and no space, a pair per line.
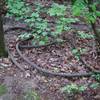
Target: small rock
0,59
97,97
26,66
6,60
2,65
79,97
27,74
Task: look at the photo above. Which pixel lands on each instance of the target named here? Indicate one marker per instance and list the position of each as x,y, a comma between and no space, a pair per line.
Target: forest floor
57,58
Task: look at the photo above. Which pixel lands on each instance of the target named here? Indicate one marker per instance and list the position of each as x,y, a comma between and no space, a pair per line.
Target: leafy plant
40,28
82,7
61,21
73,88
3,89
32,95
78,7
97,77
24,36
40,7
77,52
83,35
39,25
94,85
17,8
57,10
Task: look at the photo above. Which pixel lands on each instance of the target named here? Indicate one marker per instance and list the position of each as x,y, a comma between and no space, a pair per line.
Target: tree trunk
3,52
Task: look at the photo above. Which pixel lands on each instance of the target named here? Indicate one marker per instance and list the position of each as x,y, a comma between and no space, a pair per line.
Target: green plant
78,7
17,8
96,77
95,85
24,36
82,7
3,89
39,7
83,35
62,23
57,10
73,88
32,95
41,27
77,52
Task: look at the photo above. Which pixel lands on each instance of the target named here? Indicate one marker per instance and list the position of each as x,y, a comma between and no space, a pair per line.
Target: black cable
15,62
46,71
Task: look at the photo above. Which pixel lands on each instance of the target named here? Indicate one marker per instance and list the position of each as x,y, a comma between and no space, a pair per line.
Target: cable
15,62
46,71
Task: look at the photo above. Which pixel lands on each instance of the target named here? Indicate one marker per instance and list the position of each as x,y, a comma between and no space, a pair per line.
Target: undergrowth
41,26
